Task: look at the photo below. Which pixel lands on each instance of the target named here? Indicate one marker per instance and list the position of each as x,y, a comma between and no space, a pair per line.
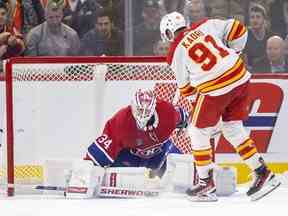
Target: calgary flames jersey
205,57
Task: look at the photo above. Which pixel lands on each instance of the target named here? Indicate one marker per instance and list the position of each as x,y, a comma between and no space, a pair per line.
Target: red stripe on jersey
187,90
241,29
174,45
236,31
202,157
232,30
230,75
197,24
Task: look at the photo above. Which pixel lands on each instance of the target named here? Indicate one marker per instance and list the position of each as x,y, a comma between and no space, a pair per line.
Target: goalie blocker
87,180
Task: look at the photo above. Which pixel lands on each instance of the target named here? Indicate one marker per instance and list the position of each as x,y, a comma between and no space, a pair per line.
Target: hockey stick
117,192
104,191
176,97
49,187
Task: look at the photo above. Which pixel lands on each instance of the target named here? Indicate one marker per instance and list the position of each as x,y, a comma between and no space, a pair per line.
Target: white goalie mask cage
143,106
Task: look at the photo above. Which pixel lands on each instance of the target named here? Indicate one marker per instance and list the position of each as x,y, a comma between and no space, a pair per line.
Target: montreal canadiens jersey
121,132
206,57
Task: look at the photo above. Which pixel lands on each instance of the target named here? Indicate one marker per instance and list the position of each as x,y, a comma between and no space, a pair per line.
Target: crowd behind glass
96,27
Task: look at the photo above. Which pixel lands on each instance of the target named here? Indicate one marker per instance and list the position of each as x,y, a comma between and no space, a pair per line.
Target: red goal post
44,96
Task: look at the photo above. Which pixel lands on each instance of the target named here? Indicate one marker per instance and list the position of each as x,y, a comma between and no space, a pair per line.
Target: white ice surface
167,205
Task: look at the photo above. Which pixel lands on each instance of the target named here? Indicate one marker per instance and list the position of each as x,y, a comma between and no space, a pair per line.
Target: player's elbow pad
238,44
236,35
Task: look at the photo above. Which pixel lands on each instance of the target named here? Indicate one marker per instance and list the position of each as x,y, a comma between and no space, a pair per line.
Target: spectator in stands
286,47
258,34
224,9
275,61
27,14
195,10
137,8
104,38
118,11
52,38
248,4
148,31
11,42
168,6
9,5
161,48
219,9
279,17
79,14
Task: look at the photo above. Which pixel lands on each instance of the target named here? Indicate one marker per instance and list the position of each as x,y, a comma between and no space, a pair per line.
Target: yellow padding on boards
26,172
35,172
29,171
243,171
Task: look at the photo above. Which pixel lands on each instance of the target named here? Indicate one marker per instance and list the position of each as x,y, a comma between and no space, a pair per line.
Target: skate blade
203,198
271,186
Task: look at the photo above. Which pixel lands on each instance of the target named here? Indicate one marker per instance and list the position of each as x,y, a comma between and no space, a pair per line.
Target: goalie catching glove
184,118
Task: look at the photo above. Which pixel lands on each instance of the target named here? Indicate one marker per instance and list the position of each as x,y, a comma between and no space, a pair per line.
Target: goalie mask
169,24
143,107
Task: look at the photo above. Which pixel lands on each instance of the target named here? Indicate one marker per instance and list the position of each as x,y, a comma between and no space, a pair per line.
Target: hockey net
56,106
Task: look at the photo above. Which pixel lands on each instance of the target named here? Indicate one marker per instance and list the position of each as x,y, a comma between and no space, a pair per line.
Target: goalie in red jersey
137,136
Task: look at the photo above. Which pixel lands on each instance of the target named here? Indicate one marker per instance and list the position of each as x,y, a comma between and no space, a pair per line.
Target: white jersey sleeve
233,32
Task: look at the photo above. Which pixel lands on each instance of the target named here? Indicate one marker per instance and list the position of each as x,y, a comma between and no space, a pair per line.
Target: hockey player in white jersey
206,60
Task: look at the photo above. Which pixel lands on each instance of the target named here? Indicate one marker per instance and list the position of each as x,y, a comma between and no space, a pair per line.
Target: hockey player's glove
184,118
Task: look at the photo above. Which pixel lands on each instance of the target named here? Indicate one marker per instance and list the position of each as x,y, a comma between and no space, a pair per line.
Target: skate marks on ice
168,204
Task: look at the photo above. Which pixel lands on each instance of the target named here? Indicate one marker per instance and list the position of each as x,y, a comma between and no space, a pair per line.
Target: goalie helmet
143,107
169,24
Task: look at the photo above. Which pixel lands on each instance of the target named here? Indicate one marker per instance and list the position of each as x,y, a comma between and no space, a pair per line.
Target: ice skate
264,183
204,191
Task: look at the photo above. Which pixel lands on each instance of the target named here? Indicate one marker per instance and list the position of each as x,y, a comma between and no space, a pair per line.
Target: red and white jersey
205,57
121,132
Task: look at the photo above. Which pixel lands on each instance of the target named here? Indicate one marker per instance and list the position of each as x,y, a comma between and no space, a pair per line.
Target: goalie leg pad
180,173
85,179
131,177
128,182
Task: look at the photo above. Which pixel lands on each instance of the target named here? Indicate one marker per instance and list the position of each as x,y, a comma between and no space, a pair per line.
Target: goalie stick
49,187
126,192
104,191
